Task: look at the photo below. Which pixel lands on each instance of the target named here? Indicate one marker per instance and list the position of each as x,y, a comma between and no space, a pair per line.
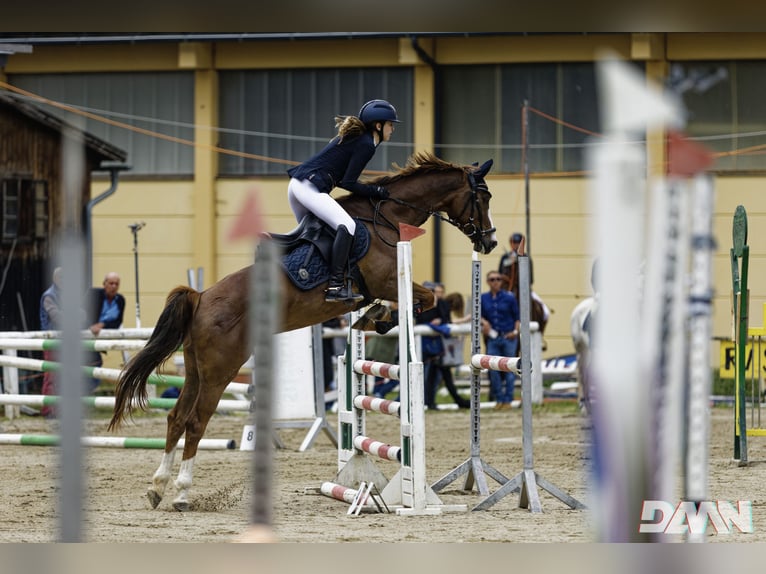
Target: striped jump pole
108,402
378,405
112,442
343,493
104,373
496,363
379,449
377,369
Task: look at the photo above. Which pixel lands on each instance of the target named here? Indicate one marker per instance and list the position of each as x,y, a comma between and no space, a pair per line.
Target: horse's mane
419,162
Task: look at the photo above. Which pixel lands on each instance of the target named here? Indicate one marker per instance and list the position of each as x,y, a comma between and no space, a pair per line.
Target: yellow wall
164,244
187,222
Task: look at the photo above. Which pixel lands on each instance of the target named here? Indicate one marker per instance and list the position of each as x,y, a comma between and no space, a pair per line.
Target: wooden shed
31,202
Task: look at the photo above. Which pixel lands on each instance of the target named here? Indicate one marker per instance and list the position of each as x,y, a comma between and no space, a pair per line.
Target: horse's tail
168,335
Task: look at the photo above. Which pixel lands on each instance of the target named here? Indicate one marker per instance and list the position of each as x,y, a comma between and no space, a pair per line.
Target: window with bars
24,205
281,117
726,110
159,102
482,115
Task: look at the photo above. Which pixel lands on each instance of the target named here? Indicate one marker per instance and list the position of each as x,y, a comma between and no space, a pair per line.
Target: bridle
473,227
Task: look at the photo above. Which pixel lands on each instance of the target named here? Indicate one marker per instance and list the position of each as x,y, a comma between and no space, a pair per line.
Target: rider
340,164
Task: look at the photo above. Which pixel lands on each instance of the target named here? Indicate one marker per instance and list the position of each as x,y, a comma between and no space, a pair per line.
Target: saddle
307,250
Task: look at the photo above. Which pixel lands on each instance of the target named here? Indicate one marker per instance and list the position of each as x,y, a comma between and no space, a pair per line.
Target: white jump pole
108,402
112,442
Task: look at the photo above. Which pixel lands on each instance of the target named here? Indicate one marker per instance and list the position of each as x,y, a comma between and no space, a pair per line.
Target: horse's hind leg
176,425
161,478
183,484
211,388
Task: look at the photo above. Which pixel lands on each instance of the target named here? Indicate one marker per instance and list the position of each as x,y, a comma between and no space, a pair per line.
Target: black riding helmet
378,111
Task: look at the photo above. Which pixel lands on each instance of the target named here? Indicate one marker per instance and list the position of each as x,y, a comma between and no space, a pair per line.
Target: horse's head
475,220
428,186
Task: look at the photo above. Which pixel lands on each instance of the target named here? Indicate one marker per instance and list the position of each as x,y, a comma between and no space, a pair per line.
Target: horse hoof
181,506
154,498
383,327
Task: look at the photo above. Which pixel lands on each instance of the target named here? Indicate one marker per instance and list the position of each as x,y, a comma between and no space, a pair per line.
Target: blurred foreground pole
265,318
622,421
71,257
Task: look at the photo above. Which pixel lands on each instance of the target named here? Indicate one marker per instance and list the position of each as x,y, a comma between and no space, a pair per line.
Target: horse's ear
475,164
484,169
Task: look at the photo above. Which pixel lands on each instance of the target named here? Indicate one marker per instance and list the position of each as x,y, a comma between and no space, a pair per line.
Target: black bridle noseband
471,228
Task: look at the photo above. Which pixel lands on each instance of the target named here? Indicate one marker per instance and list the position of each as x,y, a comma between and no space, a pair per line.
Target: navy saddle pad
307,267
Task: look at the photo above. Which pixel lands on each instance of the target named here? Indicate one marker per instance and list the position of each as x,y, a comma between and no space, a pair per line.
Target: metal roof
103,38
37,114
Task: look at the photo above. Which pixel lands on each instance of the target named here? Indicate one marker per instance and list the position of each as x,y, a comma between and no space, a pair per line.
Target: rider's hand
381,192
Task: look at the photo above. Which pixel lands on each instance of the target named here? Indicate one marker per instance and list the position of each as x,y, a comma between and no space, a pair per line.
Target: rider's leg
339,289
303,194
296,191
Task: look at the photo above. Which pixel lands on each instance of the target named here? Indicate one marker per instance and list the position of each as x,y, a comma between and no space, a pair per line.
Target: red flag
685,157
249,222
409,232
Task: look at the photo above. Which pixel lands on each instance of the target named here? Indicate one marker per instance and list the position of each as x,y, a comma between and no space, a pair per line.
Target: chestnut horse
212,325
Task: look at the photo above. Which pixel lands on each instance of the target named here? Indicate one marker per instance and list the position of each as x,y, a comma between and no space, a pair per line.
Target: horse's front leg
422,296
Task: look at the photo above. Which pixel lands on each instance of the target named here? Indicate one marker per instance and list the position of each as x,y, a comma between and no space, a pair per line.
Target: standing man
50,318
500,326
105,311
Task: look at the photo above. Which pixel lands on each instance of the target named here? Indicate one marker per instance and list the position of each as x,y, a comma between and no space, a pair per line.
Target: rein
470,229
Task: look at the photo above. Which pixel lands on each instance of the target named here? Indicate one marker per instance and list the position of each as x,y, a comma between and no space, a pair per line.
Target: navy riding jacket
339,164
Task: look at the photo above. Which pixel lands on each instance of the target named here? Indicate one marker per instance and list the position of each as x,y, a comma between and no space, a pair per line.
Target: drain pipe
114,169
426,58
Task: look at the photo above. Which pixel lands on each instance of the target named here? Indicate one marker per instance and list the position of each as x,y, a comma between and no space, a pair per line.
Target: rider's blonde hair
350,126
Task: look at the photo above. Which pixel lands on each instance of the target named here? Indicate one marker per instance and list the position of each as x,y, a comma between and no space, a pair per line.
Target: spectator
384,350
458,311
50,320
500,325
105,310
509,268
438,318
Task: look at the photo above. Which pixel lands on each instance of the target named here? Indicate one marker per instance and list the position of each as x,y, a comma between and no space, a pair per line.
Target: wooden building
32,202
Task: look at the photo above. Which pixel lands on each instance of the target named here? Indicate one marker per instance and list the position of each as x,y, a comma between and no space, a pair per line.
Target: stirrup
342,293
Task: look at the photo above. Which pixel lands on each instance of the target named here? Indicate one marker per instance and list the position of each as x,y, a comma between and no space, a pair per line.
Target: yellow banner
728,360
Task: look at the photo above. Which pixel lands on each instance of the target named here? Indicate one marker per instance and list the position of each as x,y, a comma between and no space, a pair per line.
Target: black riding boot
339,289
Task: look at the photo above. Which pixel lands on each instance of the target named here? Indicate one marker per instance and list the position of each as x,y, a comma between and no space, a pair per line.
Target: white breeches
304,197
